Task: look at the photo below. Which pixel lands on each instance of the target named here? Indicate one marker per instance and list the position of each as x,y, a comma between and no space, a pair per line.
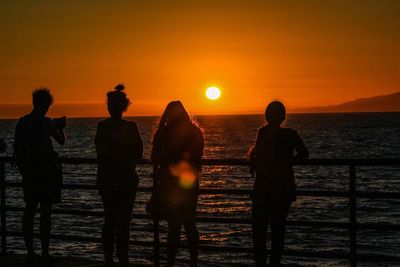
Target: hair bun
120,87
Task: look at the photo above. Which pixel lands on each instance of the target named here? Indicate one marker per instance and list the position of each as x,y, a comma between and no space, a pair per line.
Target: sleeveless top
119,146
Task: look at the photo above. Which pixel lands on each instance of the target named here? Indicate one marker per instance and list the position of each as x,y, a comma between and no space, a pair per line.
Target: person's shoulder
290,132
23,119
22,122
103,122
130,124
262,129
47,120
27,117
197,130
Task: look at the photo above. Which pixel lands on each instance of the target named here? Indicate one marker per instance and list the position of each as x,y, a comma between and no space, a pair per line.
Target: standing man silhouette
274,189
39,167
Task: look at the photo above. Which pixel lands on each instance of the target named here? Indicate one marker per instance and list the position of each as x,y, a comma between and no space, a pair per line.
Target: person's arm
301,149
195,147
252,156
58,134
23,151
138,147
99,142
155,158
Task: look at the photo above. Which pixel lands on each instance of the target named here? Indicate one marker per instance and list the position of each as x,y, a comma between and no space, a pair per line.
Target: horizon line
223,114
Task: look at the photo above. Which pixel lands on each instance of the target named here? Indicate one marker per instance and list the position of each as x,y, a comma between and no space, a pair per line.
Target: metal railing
351,194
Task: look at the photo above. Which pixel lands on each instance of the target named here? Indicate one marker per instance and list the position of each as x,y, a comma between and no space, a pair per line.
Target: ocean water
366,135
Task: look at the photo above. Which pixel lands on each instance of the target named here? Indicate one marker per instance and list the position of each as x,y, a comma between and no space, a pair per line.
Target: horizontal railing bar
232,220
311,193
201,247
378,194
243,162
211,248
80,212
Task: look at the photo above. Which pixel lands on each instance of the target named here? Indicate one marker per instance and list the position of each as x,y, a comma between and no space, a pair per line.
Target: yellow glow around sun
213,93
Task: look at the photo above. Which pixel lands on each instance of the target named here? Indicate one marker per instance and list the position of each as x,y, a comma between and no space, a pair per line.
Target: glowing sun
213,93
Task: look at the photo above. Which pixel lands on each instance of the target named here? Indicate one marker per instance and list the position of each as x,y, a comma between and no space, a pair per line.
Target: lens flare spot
185,173
187,179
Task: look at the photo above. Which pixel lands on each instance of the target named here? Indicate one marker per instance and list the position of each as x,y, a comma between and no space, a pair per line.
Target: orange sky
305,53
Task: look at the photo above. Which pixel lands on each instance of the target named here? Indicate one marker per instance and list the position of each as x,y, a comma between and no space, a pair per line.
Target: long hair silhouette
177,151
174,113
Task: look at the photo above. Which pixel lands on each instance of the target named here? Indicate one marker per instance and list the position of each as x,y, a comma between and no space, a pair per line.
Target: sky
304,53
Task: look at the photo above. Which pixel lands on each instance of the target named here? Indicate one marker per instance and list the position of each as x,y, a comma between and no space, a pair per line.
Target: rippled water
369,135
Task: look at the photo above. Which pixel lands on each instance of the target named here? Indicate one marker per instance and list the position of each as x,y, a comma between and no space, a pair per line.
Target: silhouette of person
39,167
119,146
177,152
274,189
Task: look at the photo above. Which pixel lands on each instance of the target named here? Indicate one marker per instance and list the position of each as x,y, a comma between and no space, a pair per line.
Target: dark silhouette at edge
274,189
38,164
119,146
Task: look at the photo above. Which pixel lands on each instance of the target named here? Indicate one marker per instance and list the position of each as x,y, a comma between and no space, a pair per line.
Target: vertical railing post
3,228
353,217
156,244
156,226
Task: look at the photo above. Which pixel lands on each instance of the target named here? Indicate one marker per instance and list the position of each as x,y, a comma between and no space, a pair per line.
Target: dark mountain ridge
382,103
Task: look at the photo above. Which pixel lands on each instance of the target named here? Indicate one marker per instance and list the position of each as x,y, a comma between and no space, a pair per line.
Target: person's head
117,101
174,113
42,100
275,113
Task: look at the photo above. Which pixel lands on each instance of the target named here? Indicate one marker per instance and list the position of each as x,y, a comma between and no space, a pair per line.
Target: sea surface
362,135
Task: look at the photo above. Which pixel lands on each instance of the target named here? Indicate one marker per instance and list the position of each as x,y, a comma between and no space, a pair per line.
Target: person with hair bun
274,190
119,146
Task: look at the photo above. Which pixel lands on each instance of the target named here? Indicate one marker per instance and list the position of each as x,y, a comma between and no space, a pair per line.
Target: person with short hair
274,190
119,146
39,167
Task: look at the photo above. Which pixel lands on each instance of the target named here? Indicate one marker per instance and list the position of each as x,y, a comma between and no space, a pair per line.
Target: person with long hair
177,152
274,190
119,146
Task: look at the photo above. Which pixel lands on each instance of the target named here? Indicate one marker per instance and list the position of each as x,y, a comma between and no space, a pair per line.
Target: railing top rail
244,162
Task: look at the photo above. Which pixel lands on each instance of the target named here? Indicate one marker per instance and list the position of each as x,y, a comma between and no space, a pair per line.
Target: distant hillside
383,103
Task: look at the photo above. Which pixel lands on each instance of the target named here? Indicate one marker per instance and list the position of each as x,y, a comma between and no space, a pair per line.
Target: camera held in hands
60,122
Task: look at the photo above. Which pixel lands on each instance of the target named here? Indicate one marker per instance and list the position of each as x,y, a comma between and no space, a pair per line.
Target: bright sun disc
213,93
